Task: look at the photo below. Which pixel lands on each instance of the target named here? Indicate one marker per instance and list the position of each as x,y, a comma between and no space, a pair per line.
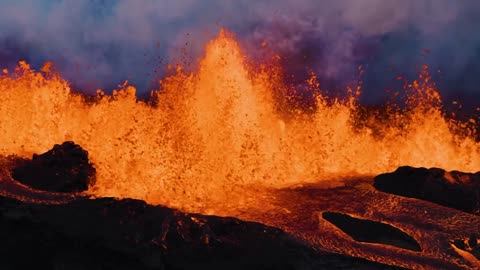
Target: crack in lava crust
209,139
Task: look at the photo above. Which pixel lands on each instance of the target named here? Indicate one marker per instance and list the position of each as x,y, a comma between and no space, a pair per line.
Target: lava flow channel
207,136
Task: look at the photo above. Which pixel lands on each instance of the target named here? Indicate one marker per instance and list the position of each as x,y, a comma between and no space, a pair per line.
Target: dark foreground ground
129,234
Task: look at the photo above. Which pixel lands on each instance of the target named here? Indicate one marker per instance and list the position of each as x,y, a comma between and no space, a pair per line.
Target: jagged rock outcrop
64,168
452,189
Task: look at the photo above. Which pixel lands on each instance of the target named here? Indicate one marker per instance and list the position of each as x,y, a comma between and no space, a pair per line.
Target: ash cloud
100,43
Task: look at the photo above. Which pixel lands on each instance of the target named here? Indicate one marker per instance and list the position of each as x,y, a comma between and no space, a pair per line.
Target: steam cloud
100,43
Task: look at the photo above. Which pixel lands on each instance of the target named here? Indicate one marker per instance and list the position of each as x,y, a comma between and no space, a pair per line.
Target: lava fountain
207,136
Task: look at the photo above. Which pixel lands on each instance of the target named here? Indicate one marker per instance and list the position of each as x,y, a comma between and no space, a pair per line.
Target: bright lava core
207,136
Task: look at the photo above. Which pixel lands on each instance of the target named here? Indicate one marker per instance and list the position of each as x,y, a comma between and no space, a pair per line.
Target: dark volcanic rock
129,234
65,168
372,232
452,189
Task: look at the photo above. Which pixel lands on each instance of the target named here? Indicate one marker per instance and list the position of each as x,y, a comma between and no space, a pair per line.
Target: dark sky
101,43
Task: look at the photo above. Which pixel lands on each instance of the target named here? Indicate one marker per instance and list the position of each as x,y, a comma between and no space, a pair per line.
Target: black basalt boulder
454,189
64,168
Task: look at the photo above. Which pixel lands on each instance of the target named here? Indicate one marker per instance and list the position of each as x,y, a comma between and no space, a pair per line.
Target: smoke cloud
101,43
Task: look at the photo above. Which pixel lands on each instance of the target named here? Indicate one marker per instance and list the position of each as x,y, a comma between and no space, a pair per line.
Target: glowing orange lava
209,133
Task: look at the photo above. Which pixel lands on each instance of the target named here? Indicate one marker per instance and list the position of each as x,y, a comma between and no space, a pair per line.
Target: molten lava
207,135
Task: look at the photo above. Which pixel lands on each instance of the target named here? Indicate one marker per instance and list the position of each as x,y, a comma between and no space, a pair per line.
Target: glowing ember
209,134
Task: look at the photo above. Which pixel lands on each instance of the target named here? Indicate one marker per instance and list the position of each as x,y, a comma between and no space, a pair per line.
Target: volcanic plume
100,43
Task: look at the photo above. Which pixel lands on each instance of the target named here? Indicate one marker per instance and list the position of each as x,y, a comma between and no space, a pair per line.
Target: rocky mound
452,189
65,168
129,234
